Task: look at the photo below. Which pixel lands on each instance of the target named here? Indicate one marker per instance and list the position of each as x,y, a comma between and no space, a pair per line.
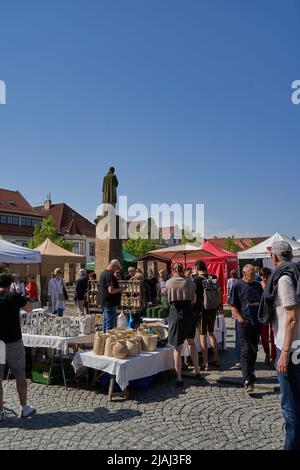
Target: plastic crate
41,369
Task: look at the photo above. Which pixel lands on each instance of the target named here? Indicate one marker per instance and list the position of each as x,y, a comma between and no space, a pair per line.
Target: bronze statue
109,189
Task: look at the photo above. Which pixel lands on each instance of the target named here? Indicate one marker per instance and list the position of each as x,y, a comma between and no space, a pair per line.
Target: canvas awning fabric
15,254
262,250
52,254
177,252
129,257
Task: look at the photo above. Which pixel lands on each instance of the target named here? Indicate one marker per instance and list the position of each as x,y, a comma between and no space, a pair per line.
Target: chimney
48,202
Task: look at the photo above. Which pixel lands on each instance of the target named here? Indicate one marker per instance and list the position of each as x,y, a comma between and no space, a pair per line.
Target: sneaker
27,411
2,416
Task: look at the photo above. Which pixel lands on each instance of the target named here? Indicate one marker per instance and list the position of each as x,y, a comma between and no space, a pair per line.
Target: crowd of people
264,303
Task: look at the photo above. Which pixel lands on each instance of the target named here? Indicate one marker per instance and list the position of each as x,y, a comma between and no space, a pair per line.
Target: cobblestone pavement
207,415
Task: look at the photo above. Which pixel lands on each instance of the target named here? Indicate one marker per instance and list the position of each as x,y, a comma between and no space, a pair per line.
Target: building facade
73,227
17,218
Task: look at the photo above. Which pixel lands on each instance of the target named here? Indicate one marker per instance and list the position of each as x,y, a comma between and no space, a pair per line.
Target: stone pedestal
108,248
67,272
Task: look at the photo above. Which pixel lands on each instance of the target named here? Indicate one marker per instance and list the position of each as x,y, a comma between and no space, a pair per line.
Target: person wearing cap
81,288
56,293
283,288
244,301
109,294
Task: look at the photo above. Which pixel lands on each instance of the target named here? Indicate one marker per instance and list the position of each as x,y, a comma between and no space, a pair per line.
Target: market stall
260,254
122,371
15,254
55,335
52,257
183,253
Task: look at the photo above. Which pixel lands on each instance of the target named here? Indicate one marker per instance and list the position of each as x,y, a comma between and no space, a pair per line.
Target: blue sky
189,100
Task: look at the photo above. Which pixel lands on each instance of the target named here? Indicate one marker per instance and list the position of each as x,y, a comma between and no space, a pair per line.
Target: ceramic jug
109,344
132,346
99,343
120,350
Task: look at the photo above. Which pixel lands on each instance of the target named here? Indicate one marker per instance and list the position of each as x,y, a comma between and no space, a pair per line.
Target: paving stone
212,415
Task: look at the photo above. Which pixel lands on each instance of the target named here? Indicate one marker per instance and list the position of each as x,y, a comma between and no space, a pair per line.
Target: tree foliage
47,230
230,244
139,246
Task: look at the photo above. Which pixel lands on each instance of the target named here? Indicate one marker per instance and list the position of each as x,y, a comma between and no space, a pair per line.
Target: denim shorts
15,358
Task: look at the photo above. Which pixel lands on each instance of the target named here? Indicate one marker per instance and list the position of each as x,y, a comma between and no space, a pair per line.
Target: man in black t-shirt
244,302
205,318
11,345
109,292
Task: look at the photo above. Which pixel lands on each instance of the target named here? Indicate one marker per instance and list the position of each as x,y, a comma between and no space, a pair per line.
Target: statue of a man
109,190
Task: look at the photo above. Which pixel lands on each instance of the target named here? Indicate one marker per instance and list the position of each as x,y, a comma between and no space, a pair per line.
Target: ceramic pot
99,343
149,342
132,346
109,344
120,350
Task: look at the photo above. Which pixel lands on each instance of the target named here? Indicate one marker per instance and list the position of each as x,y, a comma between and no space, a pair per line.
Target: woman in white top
56,288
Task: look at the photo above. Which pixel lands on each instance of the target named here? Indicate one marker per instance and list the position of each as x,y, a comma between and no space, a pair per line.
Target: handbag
64,296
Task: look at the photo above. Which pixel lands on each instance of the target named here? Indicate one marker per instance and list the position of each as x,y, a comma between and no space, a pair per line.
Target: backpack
211,293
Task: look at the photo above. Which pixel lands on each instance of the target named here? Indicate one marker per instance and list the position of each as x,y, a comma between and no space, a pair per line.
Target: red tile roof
68,221
242,243
13,202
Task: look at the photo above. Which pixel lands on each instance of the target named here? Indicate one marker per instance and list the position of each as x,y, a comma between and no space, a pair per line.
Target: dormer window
12,203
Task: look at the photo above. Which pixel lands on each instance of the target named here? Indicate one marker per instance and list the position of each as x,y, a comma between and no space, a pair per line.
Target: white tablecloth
55,342
143,365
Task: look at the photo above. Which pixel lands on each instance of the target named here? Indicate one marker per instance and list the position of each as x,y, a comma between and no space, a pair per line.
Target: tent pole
41,287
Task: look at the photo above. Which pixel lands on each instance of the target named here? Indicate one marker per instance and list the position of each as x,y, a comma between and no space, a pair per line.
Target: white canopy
262,250
15,254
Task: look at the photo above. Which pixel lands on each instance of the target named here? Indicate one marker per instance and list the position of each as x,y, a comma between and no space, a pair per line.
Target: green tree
47,230
187,237
139,246
230,244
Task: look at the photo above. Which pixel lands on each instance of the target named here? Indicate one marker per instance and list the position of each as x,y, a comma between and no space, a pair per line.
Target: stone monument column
108,242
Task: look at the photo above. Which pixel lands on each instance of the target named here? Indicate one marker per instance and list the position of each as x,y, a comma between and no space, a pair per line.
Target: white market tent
15,254
262,250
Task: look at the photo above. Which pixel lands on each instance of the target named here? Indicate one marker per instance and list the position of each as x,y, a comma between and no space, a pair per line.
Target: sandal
204,367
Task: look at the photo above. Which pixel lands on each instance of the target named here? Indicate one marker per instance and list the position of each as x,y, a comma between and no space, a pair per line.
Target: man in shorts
206,318
11,342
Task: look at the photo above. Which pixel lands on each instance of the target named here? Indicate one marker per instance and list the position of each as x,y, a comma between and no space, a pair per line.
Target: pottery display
99,343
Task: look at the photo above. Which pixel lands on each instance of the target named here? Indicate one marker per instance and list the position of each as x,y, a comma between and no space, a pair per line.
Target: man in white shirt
287,340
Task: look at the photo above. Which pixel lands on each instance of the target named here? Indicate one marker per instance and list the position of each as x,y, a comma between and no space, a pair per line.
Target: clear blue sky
189,100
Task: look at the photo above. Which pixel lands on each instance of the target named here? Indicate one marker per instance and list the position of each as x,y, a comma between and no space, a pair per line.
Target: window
28,222
82,248
92,249
9,219
76,248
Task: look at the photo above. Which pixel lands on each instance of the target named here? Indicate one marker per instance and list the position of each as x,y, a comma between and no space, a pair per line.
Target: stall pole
41,287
